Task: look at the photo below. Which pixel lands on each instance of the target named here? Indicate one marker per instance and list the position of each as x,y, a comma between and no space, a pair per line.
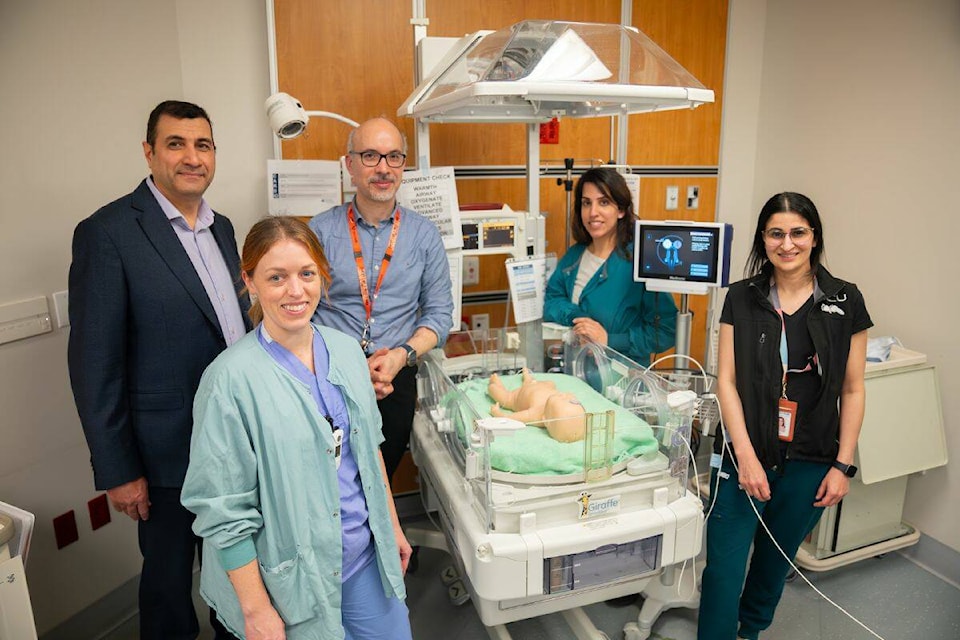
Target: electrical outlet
480,322
65,529
673,197
99,511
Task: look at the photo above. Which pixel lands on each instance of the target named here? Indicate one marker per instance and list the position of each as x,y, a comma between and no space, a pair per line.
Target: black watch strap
848,469
411,354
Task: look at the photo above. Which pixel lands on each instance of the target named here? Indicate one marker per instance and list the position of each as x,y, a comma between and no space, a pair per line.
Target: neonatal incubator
537,526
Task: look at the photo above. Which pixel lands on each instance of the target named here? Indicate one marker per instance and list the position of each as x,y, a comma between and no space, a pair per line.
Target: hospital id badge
786,417
338,445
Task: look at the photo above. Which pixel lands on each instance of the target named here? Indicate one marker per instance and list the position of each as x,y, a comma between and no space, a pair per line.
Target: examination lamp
288,118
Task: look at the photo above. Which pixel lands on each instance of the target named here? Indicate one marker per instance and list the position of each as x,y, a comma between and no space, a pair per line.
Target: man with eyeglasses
390,277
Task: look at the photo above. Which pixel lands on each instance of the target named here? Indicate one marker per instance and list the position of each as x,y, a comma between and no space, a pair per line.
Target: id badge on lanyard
361,271
786,409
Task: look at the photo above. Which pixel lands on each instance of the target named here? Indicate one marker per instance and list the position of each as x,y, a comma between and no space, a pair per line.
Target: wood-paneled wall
370,72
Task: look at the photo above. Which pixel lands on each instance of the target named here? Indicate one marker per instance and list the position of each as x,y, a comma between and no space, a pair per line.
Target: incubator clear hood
537,70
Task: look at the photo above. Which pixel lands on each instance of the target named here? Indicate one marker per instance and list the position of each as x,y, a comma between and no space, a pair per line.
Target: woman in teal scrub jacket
593,290
301,538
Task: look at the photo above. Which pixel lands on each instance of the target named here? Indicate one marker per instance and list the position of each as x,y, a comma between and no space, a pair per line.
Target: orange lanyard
358,256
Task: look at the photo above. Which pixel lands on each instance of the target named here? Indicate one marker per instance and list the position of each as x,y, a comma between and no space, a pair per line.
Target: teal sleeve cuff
238,554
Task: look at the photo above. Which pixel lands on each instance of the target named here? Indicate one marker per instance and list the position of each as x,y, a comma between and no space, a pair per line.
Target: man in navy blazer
155,296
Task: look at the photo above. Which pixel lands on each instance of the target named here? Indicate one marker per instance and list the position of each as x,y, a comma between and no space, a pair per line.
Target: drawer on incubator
603,565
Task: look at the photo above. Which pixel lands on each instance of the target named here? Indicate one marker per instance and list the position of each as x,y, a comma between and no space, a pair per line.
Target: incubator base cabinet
902,434
538,526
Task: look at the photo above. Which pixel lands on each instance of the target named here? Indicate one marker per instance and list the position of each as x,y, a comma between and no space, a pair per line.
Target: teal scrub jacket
637,321
262,481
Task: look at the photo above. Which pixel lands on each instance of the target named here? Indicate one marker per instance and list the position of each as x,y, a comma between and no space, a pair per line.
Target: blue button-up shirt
416,290
208,262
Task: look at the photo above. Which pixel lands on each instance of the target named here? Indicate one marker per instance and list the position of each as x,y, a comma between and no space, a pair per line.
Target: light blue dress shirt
416,290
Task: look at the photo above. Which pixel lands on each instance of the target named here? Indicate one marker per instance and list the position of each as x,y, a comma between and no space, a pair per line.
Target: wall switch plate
693,197
673,197
61,309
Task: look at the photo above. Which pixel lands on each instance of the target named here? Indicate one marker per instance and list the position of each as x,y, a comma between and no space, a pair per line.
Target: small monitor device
682,257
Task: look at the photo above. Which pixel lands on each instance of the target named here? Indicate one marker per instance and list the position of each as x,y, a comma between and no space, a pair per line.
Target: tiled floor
891,595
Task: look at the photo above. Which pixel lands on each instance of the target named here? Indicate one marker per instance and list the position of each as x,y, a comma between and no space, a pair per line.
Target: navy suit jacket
142,332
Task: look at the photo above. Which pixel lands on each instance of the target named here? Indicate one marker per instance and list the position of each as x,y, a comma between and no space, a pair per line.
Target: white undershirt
589,264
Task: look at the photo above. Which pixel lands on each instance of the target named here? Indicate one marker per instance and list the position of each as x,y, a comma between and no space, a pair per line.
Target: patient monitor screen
680,253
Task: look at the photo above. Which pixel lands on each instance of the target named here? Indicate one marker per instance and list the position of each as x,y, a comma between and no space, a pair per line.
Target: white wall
736,201
858,110
78,80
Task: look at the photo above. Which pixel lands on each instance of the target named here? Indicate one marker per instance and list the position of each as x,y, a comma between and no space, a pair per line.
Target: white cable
703,373
724,449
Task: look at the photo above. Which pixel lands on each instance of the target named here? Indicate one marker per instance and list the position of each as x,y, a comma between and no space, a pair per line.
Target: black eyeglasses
394,159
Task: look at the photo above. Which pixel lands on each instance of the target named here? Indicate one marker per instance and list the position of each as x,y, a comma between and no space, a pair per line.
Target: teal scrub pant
733,527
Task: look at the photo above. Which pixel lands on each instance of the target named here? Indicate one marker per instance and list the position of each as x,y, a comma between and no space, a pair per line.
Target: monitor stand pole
684,320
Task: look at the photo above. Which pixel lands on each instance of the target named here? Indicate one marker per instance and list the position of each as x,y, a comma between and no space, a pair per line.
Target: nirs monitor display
682,257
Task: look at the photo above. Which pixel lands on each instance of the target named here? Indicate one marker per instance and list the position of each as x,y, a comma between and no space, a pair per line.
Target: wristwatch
411,355
848,469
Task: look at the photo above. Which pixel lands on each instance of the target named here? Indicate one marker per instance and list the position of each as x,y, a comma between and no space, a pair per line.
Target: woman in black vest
792,352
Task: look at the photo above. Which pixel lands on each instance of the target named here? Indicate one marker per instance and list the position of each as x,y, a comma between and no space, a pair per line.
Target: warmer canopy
537,70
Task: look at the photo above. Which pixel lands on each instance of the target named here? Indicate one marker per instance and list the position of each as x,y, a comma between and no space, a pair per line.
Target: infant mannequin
538,403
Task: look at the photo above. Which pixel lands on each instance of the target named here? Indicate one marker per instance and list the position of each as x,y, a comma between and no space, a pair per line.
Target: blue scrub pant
368,614
733,527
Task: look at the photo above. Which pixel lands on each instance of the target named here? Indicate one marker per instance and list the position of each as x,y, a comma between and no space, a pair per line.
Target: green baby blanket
531,450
